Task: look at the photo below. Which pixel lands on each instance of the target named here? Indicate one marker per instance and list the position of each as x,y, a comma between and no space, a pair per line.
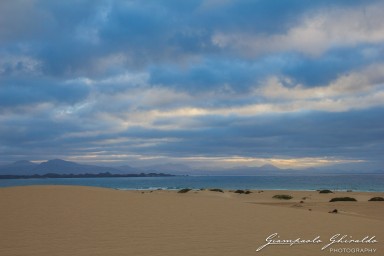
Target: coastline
73,220
362,182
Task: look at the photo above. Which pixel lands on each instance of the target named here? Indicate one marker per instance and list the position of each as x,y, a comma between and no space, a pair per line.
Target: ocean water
358,182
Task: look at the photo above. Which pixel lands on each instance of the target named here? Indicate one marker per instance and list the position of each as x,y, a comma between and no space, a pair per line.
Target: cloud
236,161
21,20
317,32
19,65
107,37
15,93
207,75
312,72
292,83
310,135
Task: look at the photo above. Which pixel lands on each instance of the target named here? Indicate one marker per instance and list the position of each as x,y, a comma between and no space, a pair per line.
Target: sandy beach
69,220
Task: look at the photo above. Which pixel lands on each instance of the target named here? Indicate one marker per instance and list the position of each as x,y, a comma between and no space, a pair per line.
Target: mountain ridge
57,166
63,167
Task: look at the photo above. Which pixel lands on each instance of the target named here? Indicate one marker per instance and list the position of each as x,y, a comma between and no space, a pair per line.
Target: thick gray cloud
337,134
251,82
20,92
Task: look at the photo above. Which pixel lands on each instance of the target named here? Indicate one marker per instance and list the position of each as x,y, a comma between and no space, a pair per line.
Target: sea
342,182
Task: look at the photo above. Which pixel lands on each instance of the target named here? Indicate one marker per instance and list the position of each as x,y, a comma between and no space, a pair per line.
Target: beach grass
283,197
338,199
377,198
325,191
184,190
216,190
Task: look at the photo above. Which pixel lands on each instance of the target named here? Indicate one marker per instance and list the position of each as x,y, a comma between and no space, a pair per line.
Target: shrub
240,191
325,191
336,199
184,190
285,197
216,190
378,198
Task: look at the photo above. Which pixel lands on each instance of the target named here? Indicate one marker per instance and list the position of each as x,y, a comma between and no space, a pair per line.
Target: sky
208,83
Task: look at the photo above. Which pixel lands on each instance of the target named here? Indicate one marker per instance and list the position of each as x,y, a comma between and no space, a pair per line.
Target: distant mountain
343,168
269,167
168,168
18,168
64,167
128,169
253,170
57,166
86,175
239,170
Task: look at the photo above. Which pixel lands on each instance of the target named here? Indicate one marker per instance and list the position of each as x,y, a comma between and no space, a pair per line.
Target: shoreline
365,183
194,189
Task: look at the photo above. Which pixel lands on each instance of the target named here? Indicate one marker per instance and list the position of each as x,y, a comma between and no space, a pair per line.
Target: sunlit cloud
218,162
283,163
317,32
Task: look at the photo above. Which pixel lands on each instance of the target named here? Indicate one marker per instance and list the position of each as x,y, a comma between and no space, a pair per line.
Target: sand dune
68,220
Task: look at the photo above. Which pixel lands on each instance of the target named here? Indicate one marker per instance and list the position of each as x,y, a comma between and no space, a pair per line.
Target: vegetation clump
325,191
377,198
184,190
240,191
336,199
284,197
216,190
